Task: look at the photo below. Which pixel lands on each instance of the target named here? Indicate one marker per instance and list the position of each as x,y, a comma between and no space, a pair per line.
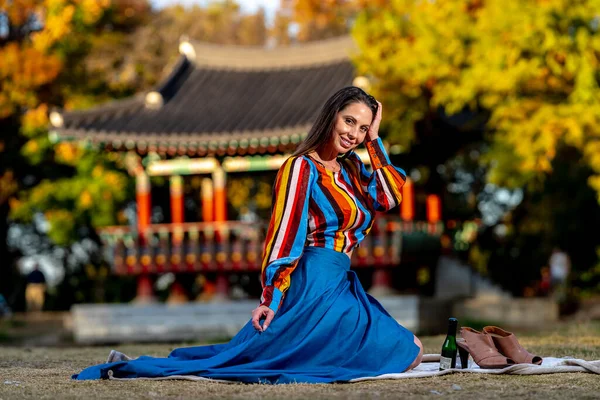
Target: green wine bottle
448,356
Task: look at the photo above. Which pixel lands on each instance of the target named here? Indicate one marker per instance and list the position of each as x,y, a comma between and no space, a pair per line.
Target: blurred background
139,141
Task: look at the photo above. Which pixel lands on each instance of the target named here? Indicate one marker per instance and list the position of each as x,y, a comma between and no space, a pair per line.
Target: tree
41,46
533,65
133,58
43,42
73,54
526,73
314,19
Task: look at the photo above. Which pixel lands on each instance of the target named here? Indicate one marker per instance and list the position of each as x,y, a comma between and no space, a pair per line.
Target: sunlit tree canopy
533,65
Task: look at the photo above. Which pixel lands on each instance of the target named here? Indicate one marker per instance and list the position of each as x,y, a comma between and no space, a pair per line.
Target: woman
318,324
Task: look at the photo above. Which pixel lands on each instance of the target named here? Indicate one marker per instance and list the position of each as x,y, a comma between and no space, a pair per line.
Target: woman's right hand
258,313
373,132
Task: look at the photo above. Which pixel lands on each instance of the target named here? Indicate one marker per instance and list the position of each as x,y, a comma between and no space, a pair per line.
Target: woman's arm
384,185
287,231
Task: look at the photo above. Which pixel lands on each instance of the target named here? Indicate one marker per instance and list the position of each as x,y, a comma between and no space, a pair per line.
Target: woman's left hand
374,128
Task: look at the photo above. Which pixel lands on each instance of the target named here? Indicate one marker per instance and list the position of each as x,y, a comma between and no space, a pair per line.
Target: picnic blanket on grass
550,365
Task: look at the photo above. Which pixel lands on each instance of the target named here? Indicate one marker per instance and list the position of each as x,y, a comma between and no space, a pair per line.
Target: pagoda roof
221,100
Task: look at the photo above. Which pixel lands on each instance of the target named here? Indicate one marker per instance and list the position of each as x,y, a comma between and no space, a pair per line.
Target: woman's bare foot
116,356
419,356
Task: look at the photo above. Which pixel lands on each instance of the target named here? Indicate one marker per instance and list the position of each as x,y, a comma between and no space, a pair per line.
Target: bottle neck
452,328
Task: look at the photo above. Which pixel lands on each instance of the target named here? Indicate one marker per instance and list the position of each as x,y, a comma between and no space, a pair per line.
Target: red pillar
142,195
434,213
207,200
220,206
382,275
145,293
219,178
177,294
176,191
434,208
407,207
382,278
382,283
222,287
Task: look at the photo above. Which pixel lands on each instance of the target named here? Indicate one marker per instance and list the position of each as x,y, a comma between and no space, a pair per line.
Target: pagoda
225,110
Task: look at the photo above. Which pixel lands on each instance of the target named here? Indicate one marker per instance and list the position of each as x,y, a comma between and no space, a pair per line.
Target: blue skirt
327,330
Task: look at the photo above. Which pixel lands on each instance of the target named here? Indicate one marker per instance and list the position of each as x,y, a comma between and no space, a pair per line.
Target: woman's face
351,126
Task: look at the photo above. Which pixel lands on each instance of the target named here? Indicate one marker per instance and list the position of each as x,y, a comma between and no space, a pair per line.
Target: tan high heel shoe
481,348
507,344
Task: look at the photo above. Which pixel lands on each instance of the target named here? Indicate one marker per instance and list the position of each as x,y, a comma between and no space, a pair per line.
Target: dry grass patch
44,373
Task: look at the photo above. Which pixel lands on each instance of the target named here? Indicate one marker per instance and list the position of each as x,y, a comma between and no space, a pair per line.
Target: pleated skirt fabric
327,330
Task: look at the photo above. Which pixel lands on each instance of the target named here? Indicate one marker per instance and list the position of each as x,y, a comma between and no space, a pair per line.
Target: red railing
233,246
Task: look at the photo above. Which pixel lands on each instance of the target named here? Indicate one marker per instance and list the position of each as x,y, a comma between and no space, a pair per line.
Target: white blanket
549,365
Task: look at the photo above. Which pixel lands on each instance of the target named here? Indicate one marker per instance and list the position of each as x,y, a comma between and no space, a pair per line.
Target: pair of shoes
507,344
492,348
481,347
116,356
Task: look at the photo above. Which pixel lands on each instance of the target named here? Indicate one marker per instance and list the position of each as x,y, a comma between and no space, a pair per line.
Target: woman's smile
346,142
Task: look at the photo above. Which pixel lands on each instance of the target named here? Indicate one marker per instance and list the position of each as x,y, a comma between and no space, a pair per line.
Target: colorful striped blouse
313,206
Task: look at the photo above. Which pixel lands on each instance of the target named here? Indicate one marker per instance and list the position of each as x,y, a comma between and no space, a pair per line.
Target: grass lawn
44,373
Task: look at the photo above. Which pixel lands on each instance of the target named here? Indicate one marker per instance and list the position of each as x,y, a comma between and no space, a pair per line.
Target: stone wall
117,323
507,312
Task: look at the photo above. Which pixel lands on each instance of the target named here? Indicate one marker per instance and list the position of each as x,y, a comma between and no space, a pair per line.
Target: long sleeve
384,185
287,231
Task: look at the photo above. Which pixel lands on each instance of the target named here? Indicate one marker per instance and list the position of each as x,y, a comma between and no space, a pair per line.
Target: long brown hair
322,130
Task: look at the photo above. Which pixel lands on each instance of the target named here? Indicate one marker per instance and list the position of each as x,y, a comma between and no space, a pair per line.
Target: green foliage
76,187
533,65
84,54
250,193
90,196
524,72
